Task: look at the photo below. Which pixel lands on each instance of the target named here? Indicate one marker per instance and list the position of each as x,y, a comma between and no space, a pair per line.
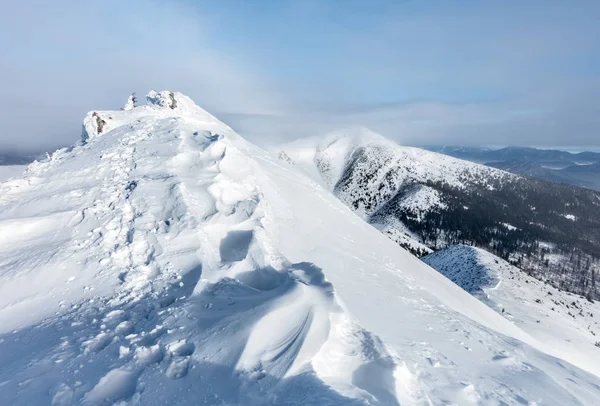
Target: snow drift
165,260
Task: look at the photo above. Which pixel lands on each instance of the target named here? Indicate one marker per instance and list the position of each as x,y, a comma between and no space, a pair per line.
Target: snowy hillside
365,169
567,324
165,260
425,201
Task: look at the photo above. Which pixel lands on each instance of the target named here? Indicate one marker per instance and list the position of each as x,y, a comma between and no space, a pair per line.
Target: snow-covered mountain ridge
165,260
568,324
365,169
425,201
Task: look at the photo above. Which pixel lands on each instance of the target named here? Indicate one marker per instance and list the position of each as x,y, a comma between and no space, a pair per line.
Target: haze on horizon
462,73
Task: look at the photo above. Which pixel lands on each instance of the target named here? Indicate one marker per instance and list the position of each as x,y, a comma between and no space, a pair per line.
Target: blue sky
422,72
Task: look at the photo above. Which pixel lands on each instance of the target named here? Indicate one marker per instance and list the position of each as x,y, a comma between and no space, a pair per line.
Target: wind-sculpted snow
164,260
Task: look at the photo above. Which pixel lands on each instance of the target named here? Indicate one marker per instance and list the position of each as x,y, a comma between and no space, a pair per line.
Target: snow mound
165,260
566,324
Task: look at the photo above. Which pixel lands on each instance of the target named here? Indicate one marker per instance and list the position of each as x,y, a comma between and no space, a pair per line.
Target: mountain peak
177,102
163,104
324,157
163,99
357,135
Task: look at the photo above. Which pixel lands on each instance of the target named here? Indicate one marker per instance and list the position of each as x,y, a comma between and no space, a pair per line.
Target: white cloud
481,74
65,58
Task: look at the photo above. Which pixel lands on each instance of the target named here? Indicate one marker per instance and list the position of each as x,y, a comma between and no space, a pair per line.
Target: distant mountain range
580,169
14,159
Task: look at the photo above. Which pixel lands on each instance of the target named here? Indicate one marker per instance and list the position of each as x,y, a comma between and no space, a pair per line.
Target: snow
327,159
116,385
9,171
165,260
421,199
396,231
324,158
547,245
566,324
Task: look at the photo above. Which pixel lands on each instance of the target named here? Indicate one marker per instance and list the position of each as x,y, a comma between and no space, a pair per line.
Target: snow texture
165,260
566,324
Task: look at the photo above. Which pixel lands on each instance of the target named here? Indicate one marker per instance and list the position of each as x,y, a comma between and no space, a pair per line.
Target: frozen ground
164,260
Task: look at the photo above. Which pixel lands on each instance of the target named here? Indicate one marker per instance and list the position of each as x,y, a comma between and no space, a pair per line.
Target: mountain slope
164,260
420,198
566,323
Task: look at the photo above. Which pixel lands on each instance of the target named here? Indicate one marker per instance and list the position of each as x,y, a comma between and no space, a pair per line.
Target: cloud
572,120
65,58
525,73
516,73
